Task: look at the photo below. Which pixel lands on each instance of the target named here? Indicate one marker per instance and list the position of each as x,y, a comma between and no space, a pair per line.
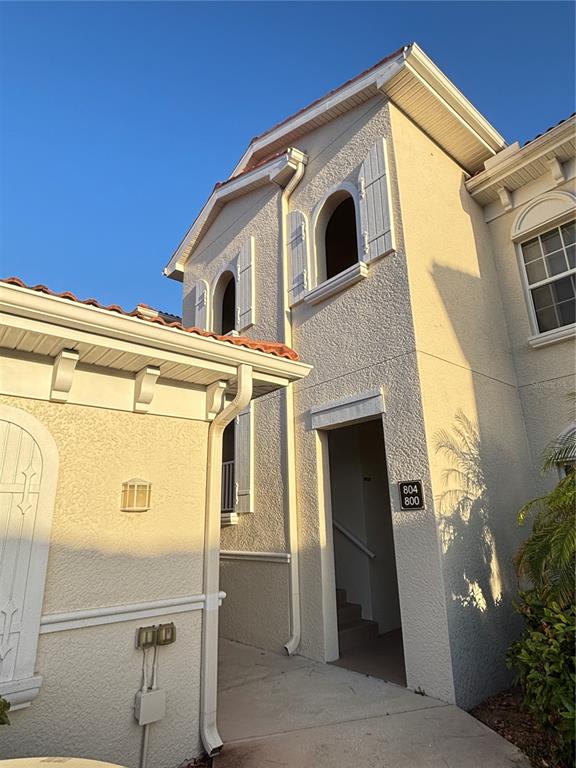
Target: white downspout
288,402
209,666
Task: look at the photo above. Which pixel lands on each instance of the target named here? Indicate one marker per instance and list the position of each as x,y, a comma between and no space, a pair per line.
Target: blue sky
118,118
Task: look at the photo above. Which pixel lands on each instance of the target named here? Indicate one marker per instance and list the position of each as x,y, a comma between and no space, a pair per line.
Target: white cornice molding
496,173
29,310
277,171
348,410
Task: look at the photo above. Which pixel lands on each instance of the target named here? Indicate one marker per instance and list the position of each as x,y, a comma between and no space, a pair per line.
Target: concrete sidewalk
276,711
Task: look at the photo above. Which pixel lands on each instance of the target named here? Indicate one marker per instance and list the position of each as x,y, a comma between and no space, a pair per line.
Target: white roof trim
413,58
497,172
277,170
80,322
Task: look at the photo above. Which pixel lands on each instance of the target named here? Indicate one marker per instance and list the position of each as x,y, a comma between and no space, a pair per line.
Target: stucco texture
255,609
545,374
438,325
378,352
470,399
100,556
86,704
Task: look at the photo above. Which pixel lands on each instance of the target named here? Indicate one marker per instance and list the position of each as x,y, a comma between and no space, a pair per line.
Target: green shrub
4,707
545,665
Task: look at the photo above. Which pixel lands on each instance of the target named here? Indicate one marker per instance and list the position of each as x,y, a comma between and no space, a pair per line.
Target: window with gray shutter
375,217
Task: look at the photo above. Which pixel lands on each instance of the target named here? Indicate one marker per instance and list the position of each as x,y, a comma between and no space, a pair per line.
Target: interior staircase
353,630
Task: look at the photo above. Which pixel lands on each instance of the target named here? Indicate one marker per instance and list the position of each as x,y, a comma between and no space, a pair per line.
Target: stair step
340,597
356,634
348,613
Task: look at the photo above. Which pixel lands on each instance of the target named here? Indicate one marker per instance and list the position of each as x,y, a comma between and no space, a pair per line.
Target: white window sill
338,283
21,693
228,518
551,337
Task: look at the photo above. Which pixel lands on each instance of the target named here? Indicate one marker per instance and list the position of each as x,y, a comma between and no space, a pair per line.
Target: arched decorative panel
28,475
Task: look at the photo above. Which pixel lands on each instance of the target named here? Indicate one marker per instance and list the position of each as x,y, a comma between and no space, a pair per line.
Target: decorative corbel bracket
215,399
505,198
144,386
62,374
556,169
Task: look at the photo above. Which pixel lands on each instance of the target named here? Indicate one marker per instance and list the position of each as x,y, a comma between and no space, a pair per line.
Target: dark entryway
369,623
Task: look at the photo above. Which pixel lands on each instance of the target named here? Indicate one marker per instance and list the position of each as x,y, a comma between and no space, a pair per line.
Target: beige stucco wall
545,374
431,326
465,367
380,352
99,557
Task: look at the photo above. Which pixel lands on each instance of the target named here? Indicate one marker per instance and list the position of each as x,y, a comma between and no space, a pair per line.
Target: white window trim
213,303
522,233
314,254
539,338
339,282
553,336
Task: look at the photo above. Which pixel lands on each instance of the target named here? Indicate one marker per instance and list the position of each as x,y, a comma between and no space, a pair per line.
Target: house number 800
411,496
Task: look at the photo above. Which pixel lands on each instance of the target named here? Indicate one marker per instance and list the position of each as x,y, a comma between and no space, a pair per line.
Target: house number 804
411,495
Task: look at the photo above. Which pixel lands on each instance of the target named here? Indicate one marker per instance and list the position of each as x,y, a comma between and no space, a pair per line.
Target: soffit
530,162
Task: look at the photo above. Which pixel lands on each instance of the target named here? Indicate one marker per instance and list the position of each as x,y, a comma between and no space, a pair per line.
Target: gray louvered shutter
297,256
245,314
375,218
201,293
243,462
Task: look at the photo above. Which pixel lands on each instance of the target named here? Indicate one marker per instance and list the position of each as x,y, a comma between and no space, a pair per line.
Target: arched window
336,235
225,304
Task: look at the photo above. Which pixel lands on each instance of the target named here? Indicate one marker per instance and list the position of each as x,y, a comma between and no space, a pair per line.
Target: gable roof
410,80
268,347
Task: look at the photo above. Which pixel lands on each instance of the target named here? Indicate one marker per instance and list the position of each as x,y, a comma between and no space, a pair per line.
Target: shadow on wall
479,582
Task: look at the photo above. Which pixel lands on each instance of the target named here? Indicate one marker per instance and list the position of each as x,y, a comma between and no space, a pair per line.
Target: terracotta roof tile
269,347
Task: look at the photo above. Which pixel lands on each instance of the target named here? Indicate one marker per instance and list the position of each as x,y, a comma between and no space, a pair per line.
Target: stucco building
426,270
111,430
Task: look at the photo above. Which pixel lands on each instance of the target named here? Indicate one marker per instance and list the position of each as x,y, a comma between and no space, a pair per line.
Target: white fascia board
414,59
278,170
384,73
445,90
496,175
65,319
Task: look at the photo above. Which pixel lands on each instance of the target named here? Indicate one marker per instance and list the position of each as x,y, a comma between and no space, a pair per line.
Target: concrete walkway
280,712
